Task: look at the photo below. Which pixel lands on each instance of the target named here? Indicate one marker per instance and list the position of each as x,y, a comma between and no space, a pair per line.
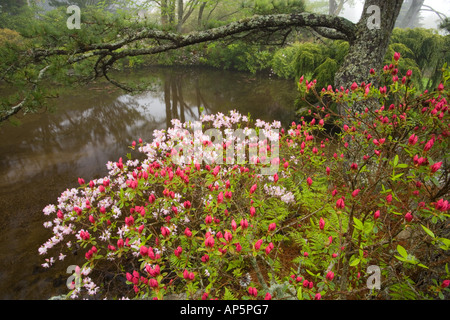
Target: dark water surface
90,126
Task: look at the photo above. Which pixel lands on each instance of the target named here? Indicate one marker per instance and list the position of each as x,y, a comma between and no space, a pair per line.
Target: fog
428,19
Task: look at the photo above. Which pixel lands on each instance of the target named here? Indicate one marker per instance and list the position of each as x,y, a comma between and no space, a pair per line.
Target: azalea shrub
357,214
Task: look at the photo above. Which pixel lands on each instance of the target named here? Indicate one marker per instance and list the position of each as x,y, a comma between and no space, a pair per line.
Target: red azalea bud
209,242
258,244
252,291
220,197
435,167
389,198
340,203
321,223
330,275
408,217
228,236
153,283
376,215
165,231
272,226
233,225
355,193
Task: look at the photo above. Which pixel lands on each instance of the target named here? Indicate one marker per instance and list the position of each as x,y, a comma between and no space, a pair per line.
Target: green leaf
445,243
402,251
228,295
354,263
428,231
396,160
397,176
312,274
358,223
299,293
368,227
400,258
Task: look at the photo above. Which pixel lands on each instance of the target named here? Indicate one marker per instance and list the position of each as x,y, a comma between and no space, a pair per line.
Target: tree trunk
171,12
200,14
411,15
368,48
180,15
164,15
332,7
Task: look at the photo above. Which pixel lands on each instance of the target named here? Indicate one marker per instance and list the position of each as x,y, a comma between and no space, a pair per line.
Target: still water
86,128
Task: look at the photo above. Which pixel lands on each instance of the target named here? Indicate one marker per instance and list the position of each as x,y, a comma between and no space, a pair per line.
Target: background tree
91,53
445,25
12,6
409,16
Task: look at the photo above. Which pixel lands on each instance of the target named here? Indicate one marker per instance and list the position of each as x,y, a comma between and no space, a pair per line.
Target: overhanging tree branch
335,27
15,109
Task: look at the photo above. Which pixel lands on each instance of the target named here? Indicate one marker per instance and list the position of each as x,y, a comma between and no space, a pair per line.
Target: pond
85,128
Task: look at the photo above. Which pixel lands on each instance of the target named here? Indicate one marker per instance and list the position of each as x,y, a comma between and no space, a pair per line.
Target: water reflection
48,152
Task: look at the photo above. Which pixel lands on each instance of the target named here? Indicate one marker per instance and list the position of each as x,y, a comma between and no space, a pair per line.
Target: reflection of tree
187,92
176,105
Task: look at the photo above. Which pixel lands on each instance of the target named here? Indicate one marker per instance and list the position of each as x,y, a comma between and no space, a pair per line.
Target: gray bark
368,48
164,13
180,15
200,14
332,7
411,15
